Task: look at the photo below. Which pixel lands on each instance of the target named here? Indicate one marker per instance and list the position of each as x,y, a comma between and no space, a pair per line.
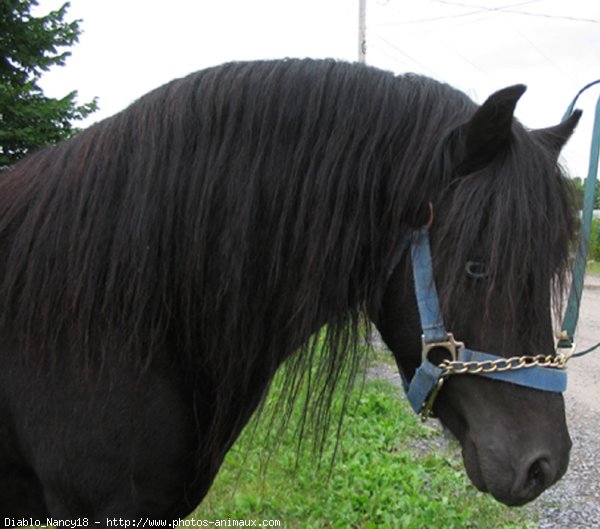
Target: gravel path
574,502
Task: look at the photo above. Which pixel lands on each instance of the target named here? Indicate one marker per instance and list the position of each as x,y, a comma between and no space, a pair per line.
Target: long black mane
229,215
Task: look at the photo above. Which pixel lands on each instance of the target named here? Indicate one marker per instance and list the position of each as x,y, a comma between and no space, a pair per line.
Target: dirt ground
584,372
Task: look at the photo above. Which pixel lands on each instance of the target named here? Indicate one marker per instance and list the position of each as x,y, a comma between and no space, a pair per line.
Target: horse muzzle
510,447
518,483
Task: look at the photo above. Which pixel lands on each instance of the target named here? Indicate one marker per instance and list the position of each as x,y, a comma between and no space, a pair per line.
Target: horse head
499,247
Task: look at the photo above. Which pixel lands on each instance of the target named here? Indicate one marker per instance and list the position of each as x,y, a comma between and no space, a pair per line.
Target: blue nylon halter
428,375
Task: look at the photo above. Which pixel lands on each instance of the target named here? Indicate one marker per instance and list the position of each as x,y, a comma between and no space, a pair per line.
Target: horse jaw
515,442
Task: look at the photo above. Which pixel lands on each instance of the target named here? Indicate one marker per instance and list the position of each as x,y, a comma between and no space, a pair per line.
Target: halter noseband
543,372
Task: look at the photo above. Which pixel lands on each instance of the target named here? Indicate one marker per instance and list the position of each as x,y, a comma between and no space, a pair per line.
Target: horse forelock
516,215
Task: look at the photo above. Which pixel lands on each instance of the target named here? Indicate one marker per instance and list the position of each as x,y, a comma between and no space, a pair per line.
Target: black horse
157,269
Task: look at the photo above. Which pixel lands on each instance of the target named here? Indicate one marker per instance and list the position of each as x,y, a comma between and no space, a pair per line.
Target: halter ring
451,345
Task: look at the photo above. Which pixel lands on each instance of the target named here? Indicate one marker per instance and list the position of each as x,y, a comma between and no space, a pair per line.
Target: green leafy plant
376,480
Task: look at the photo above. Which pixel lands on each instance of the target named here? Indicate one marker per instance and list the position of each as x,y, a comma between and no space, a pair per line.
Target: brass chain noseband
457,367
513,363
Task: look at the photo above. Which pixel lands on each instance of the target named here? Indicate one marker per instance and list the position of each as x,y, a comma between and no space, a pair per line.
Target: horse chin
472,466
457,429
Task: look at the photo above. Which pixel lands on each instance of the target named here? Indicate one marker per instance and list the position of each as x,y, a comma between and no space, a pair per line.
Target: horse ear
556,137
488,131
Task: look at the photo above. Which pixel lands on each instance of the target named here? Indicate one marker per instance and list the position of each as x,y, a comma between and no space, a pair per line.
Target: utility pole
362,31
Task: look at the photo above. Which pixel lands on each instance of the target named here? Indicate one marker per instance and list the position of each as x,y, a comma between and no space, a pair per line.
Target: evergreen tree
30,46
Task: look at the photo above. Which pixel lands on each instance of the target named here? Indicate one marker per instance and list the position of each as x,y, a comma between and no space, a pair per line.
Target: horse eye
476,269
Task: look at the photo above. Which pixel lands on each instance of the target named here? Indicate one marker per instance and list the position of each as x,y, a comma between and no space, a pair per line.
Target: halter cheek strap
540,372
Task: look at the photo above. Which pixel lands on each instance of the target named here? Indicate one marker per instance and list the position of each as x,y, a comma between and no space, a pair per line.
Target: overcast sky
131,46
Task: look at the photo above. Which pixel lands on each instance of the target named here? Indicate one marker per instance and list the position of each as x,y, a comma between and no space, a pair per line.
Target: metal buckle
427,408
563,351
451,345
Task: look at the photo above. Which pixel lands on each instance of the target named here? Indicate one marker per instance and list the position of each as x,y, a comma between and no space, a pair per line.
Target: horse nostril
539,476
535,476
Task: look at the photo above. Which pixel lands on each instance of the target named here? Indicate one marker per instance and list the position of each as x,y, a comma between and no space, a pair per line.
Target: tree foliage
29,46
579,189
595,240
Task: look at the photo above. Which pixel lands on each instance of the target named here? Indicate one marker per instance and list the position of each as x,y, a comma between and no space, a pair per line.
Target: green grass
375,482
593,267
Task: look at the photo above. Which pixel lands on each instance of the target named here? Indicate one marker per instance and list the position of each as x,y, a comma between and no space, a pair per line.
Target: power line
403,53
508,9
547,58
486,8
478,10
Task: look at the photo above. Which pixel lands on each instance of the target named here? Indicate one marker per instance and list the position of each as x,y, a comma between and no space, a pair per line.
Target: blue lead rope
572,312
427,376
